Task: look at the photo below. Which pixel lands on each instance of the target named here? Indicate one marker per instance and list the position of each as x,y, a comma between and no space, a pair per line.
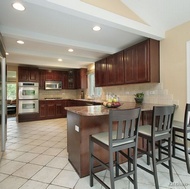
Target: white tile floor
36,158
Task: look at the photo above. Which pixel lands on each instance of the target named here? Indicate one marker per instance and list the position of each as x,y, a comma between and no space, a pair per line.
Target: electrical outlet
152,92
76,128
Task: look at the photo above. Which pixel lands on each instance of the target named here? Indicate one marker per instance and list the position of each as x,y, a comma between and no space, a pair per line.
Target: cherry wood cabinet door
42,78
71,79
130,65
58,108
111,70
101,73
142,61
42,109
49,75
81,78
34,75
118,68
51,109
64,104
65,80
23,74
28,74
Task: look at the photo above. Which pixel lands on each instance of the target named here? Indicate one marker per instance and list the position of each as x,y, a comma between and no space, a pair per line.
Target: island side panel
73,140
78,142
92,125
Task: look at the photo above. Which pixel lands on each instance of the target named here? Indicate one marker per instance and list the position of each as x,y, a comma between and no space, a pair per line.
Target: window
93,92
11,91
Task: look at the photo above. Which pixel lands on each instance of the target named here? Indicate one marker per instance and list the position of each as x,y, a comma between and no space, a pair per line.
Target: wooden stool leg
111,169
154,166
170,160
91,147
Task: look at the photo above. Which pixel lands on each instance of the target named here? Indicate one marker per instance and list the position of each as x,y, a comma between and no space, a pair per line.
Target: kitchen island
83,121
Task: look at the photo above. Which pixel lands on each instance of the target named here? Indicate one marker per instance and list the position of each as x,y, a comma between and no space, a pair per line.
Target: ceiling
50,27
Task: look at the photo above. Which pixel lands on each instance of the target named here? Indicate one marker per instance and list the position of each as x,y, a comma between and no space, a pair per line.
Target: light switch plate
77,128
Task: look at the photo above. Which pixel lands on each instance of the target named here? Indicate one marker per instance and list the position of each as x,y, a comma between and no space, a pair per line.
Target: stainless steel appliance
28,97
28,106
53,85
28,90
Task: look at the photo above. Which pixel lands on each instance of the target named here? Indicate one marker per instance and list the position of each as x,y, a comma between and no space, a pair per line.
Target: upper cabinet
101,73
71,79
137,64
81,78
28,74
142,62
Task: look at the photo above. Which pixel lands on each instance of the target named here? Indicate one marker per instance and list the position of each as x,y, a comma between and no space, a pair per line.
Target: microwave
53,85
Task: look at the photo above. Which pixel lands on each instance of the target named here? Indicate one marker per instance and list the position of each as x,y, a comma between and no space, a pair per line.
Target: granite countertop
99,110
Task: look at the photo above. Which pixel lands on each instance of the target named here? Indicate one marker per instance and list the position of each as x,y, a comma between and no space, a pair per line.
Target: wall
173,65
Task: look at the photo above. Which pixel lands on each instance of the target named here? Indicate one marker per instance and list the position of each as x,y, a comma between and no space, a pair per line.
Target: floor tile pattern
36,158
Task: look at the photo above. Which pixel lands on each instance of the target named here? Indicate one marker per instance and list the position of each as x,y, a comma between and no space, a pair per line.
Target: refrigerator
3,104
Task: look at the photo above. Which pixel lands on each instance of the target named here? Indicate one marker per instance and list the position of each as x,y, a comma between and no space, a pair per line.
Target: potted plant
139,97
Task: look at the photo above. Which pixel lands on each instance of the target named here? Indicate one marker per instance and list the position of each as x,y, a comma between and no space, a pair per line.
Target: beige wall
173,65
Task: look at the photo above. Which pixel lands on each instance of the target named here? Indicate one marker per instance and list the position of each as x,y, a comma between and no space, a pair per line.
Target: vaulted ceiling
50,27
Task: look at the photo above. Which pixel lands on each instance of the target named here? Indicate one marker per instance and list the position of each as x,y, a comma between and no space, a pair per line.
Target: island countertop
99,110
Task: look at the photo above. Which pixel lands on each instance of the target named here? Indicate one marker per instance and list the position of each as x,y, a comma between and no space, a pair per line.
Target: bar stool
122,134
182,130
154,134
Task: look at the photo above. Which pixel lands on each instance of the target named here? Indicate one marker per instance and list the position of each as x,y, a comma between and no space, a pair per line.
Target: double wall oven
28,97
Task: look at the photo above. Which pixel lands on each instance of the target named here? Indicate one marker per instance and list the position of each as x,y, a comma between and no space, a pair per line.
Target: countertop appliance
53,85
28,97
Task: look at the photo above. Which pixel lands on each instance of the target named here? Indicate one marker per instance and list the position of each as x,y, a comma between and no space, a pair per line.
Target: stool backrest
187,120
162,121
123,126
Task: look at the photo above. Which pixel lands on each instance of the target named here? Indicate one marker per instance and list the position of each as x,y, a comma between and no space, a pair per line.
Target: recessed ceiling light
70,50
60,60
20,42
7,53
96,28
18,6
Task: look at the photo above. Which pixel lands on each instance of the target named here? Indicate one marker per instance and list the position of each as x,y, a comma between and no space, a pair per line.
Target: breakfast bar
83,121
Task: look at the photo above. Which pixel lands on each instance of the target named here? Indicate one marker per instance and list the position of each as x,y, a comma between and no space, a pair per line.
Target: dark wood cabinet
42,78
28,117
71,79
115,69
142,62
45,75
58,108
52,75
28,74
65,80
64,104
81,78
130,65
137,64
42,109
51,111
110,66
101,73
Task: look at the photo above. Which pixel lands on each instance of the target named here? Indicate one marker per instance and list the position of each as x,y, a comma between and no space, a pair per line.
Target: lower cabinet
49,109
28,117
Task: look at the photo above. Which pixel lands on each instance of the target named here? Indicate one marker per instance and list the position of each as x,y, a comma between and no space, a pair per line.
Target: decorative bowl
111,104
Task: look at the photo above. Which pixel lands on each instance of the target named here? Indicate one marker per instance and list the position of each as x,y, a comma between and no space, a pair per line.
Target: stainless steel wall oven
28,97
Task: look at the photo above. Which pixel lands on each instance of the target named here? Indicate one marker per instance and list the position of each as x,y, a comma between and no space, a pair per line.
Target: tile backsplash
65,94
153,93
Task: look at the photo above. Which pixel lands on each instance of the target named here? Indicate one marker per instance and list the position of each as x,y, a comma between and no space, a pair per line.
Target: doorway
11,94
